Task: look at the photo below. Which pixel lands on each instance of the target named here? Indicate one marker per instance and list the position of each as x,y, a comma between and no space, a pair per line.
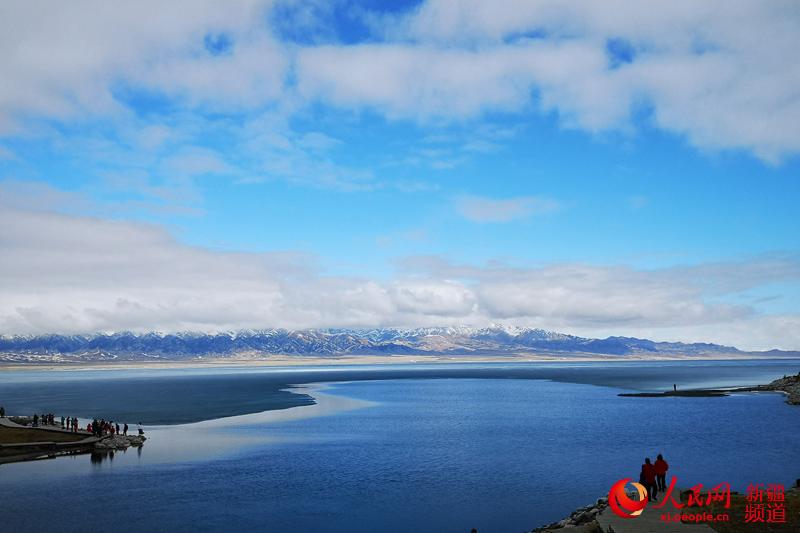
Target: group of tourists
49,419
654,477
70,424
101,428
46,419
98,428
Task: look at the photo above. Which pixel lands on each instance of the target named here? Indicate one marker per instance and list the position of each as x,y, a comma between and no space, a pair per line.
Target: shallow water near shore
497,447
179,396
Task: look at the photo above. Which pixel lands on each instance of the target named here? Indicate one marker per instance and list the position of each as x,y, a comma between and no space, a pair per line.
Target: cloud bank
720,73
68,273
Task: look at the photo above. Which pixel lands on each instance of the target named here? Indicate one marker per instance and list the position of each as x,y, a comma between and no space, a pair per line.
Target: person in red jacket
661,468
648,475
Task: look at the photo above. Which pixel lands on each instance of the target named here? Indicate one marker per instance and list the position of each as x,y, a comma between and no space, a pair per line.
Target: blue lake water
440,449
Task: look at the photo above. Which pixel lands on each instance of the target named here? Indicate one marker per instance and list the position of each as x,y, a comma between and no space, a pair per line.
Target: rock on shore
580,521
119,442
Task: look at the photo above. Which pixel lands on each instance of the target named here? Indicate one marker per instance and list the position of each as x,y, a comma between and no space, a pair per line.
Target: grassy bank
30,435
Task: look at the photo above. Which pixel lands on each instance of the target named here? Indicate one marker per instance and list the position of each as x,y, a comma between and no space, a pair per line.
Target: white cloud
250,76
426,82
196,161
481,209
64,60
441,298
318,141
67,273
153,136
718,72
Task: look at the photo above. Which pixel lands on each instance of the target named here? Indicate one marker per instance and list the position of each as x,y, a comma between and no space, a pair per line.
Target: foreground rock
583,520
119,442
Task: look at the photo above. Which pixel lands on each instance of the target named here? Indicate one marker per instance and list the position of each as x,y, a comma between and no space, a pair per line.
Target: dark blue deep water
439,449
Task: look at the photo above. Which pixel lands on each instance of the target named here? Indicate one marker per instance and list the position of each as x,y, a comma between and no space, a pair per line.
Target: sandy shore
301,361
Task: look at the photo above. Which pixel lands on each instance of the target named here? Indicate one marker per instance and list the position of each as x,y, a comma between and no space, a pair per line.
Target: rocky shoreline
789,385
582,520
119,442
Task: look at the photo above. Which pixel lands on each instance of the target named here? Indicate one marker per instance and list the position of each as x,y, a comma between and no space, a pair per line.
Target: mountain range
494,340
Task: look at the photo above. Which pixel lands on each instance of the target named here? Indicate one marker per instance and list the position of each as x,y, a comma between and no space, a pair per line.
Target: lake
439,448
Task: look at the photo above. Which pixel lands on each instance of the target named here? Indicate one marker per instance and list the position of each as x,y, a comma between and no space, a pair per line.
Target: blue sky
360,164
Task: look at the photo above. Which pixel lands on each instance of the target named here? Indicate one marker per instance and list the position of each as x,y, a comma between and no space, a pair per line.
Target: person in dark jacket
661,467
649,476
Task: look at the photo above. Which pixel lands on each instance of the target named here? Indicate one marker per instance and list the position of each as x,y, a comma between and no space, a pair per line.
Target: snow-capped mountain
457,340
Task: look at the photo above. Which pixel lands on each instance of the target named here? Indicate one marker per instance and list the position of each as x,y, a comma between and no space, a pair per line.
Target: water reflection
98,458
199,440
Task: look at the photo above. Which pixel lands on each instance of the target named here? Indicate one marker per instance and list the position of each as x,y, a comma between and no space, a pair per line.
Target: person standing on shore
661,467
649,476
125,430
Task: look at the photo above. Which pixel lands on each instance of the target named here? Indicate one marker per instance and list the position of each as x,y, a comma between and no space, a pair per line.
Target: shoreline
288,361
49,442
194,440
787,385
598,518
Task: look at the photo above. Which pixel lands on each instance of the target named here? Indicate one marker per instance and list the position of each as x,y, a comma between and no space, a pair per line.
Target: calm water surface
496,447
